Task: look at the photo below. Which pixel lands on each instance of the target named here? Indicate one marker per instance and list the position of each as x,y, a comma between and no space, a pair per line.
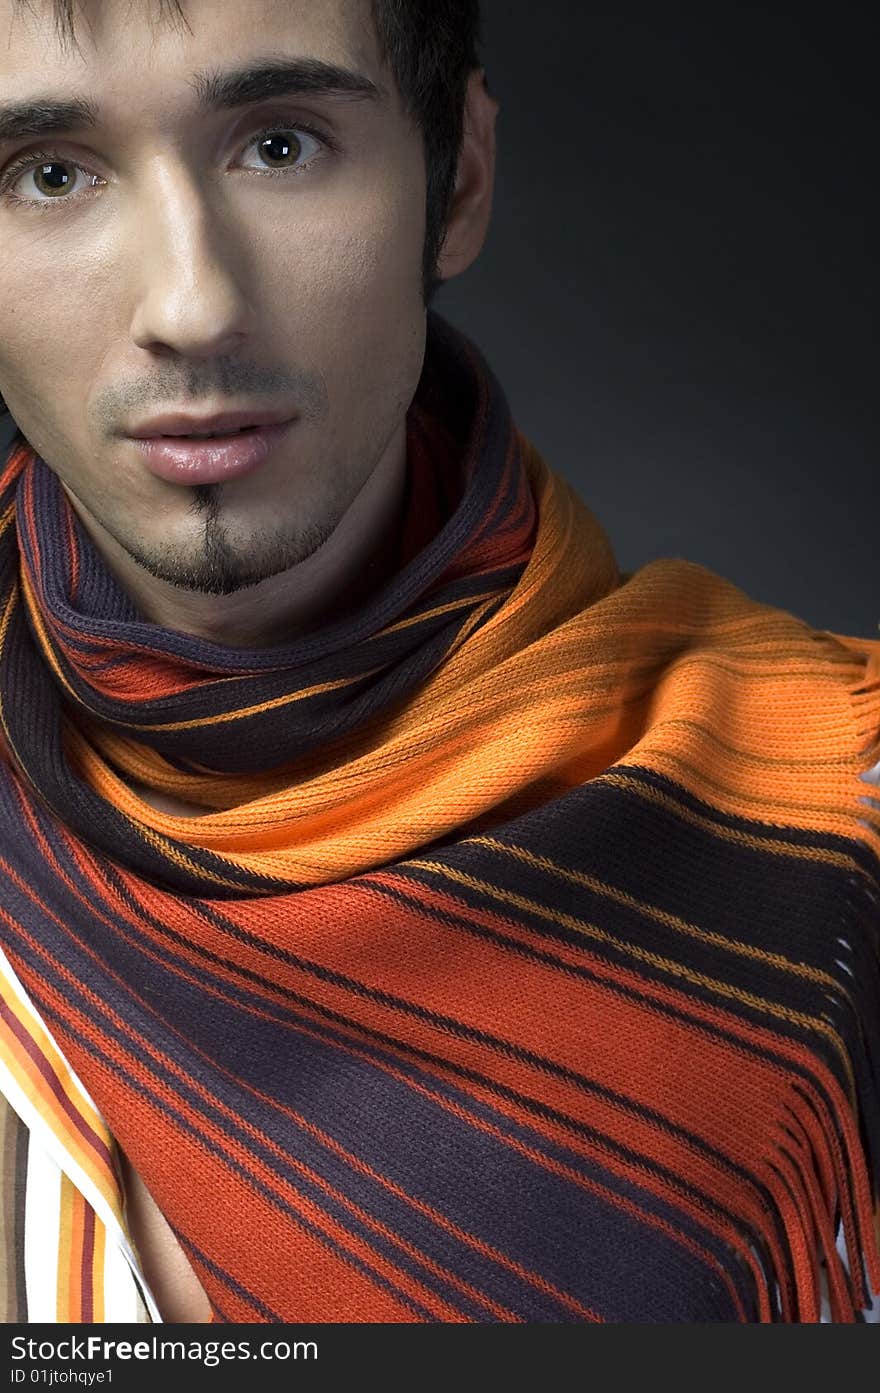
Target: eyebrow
216,90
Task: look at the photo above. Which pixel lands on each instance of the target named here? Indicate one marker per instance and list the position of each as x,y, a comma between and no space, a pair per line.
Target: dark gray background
680,293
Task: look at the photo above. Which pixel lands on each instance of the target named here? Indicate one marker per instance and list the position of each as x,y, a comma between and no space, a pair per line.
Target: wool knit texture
524,965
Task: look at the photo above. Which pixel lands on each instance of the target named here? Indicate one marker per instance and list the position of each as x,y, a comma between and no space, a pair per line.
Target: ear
471,205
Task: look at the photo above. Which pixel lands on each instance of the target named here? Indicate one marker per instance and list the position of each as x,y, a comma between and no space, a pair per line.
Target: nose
190,296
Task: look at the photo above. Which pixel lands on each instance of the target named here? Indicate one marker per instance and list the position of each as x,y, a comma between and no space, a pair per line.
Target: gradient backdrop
680,290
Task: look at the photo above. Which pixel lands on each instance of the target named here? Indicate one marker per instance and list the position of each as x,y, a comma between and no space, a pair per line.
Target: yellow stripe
488,595
288,699
722,989
61,1126
99,1271
7,613
176,856
46,643
65,1237
243,713
471,623
320,687
5,621
166,848
732,834
16,1061
672,921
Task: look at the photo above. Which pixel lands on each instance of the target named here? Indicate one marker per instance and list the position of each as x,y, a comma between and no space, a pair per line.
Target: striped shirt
65,1251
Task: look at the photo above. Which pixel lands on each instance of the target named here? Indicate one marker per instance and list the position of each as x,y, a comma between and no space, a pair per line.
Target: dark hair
431,47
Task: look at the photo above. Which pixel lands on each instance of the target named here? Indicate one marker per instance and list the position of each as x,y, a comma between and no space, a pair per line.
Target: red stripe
87,1305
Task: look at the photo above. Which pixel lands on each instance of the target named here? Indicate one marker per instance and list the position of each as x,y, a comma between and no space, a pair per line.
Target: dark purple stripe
87,1267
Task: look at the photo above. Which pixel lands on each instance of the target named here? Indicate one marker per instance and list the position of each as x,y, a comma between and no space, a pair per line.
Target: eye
284,147
53,178
279,150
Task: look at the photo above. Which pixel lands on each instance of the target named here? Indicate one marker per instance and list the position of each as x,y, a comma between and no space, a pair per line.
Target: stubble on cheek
363,316
45,374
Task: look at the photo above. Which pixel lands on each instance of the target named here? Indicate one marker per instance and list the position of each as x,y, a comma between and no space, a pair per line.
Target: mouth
204,435
210,457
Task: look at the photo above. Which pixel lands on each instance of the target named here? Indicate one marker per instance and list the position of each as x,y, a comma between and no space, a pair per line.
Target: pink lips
185,460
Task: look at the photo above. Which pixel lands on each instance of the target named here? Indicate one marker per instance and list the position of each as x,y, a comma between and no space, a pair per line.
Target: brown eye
52,179
282,149
279,147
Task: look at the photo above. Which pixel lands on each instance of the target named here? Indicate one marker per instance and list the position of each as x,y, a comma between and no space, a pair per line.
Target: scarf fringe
859,937
803,1161
817,1179
864,697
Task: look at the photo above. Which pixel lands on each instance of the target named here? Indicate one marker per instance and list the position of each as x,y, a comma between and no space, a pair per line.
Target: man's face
207,259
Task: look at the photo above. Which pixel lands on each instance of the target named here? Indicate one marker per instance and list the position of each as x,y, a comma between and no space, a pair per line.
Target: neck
355,560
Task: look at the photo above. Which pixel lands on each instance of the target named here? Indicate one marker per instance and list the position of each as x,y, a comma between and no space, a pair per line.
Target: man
405,916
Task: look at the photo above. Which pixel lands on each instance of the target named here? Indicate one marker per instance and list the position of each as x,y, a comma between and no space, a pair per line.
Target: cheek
339,282
53,321
356,315
350,255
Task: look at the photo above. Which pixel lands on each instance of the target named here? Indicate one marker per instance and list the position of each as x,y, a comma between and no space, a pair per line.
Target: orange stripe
238,1241
77,1255
567,1099
131,1066
33,1083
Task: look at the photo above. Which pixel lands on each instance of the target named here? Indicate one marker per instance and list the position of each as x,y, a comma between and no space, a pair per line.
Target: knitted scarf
524,966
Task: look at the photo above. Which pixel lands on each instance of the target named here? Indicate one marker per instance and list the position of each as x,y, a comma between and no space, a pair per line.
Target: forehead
130,52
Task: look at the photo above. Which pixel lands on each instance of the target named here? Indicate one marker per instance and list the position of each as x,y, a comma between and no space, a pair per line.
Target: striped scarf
525,965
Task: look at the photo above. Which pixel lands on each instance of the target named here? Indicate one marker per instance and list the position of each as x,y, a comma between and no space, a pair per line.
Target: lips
206,435
185,423
183,459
